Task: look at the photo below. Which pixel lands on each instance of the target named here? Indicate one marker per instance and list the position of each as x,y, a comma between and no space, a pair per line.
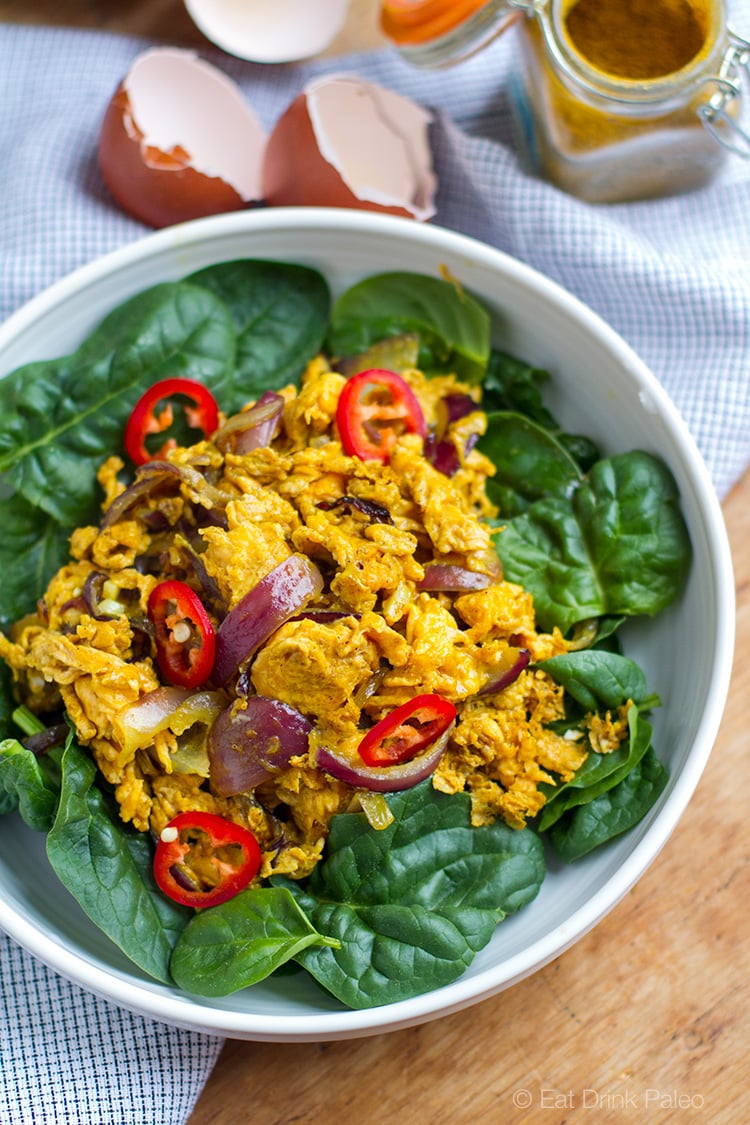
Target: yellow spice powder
636,39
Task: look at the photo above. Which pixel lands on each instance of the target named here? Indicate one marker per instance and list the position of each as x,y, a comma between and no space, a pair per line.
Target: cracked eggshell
178,141
269,31
344,142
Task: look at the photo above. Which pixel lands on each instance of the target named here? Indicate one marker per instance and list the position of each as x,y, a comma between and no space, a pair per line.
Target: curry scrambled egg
220,522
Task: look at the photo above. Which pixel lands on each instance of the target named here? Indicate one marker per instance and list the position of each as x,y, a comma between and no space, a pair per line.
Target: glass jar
618,99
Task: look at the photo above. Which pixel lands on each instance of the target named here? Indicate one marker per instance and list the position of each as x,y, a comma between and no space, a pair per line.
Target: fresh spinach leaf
599,680
453,327
60,418
617,545
280,313
610,813
29,784
582,449
7,702
599,773
629,508
544,550
241,942
511,384
529,463
411,904
8,798
107,867
606,633
32,549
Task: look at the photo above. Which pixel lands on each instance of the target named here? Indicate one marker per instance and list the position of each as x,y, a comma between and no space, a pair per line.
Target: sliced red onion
204,517
280,595
443,576
371,685
189,563
247,745
254,428
584,634
43,740
442,454
207,495
92,594
154,562
183,879
471,441
395,353
103,608
209,586
159,476
143,633
376,512
78,603
384,779
156,521
513,663
173,708
458,406
149,478
143,625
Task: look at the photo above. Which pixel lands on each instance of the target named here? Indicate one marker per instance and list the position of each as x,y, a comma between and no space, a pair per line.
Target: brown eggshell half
158,188
164,183
348,143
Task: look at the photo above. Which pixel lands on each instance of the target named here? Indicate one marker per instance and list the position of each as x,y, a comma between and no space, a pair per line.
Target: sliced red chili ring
227,854
184,635
201,411
375,407
407,730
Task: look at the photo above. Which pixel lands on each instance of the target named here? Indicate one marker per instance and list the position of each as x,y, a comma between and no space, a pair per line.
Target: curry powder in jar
617,99
637,40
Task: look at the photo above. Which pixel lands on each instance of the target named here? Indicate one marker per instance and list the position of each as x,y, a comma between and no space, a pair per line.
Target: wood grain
645,1020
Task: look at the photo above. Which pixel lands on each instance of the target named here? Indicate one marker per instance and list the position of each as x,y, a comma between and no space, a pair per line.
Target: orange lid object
419,21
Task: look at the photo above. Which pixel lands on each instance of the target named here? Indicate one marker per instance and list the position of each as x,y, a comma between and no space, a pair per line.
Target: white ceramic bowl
600,388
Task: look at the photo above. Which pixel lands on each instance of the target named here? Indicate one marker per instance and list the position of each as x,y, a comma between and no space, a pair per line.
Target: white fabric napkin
672,276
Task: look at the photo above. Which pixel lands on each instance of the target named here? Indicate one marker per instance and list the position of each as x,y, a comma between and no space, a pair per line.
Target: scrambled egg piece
220,520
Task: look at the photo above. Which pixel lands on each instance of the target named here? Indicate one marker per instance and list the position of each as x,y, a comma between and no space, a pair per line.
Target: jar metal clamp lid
714,113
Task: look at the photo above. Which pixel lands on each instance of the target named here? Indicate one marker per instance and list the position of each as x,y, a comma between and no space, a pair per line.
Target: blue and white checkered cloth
672,276
69,1058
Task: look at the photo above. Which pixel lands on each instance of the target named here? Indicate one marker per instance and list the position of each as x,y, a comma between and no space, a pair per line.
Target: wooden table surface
644,1020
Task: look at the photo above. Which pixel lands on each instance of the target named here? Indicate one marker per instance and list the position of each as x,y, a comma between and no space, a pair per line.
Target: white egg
269,30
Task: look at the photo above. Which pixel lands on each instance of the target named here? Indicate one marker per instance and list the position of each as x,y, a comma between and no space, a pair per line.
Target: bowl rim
197,1014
